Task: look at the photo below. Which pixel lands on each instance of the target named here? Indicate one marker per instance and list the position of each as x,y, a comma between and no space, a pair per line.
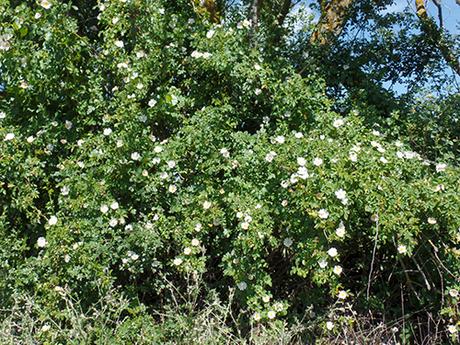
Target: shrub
163,148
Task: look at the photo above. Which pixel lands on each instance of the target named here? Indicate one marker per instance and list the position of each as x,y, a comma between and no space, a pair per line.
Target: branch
285,9
437,3
208,8
436,37
255,12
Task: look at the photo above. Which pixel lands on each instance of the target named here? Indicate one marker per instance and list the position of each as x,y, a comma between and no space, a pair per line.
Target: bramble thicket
172,175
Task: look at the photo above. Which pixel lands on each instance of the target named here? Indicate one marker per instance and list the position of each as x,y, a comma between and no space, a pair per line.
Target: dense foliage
143,148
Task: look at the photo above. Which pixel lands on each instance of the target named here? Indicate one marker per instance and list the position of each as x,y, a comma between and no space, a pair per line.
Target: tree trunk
332,21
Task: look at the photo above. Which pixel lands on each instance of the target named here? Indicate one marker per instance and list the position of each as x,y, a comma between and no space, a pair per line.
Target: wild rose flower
41,242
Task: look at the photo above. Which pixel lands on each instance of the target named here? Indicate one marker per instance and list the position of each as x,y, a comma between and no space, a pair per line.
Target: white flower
45,4
323,214
65,190
135,156
107,131
152,103
409,154
341,194
343,294
298,135
104,208
242,285
271,314
140,54
322,263
66,258
338,122
287,242
257,67
206,55
196,54
332,252
337,270
280,139
257,91
161,11
177,261
37,15
340,231
284,203
119,44
4,42
172,188
171,164
119,143
9,136
301,161
266,299
441,167
210,33
317,161
245,225
164,175
246,23
198,227
431,221
207,205
330,325
30,139
53,220
187,250
402,249
113,222
353,156
452,329
157,149
195,242
68,124
45,327
376,133
256,316
453,293
284,184
114,205
375,218
224,152
302,172
2,115
270,156
41,242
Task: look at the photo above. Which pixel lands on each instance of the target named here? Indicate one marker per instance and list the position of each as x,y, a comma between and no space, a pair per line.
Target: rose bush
153,147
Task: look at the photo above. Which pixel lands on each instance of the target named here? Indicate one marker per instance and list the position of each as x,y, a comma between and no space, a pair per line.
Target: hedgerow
161,149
